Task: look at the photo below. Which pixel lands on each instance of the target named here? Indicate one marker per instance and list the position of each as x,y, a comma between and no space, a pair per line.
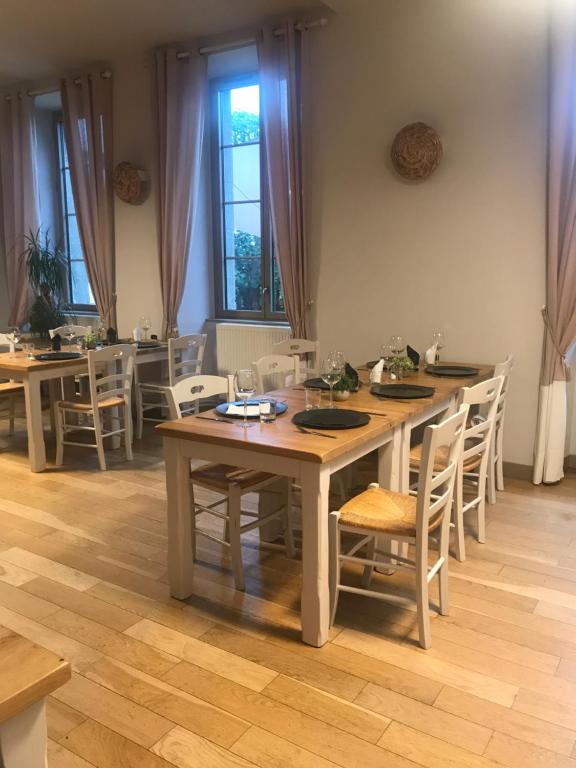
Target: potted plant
343,388
400,366
47,274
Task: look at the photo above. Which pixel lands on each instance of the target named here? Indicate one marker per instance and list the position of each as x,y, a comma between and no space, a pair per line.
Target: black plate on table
331,418
401,391
147,344
46,356
222,409
456,371
320,384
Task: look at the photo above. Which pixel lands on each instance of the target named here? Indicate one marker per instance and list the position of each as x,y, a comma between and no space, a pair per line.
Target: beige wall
464,251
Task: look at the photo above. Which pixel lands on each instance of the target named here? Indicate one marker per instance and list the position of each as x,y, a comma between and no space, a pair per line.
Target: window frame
217,182
64,217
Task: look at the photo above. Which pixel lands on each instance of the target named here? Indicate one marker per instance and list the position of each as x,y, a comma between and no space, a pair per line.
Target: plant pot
340,395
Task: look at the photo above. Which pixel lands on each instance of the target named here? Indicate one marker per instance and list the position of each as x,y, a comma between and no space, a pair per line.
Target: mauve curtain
282,84
18,196
180,110
560,311
87,116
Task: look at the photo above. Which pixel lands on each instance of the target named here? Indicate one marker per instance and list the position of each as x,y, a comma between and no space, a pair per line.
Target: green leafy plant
346,384
47,273
401,363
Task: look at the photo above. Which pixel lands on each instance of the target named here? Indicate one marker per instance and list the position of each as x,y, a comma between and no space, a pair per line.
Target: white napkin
430,354
376,372
238,410
137,333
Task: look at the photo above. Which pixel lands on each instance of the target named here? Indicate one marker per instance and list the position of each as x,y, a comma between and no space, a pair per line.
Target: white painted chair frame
193,389
116,382
275,365
496,460
305,350
434,499
9,399
79,330
181,365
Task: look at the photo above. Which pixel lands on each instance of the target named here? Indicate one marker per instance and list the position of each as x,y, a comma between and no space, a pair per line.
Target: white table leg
315,609
23,739
180,532
390,476
34,426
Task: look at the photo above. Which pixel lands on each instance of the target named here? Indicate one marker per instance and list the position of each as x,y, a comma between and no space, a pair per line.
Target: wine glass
16,336
245,386
70,334
438,339
387,354
332,370
145,324
397,344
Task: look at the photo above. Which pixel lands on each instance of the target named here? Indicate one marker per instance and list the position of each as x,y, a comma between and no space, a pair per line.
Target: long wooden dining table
281,449
16,366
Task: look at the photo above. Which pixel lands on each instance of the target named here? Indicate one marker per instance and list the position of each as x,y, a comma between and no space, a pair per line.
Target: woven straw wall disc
416,151
131,183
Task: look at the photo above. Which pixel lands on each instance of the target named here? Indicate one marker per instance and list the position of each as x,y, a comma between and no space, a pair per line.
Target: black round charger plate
321,384
147,344
452,370
222,409
45,356
401,391
331,418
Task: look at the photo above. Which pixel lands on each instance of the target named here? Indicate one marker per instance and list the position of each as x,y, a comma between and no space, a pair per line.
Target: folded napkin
137,333
352,374
56,342
376,372
413,356
238,410
430,354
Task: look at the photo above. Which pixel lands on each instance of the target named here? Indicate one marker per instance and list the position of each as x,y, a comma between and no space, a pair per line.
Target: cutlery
319,434
214,418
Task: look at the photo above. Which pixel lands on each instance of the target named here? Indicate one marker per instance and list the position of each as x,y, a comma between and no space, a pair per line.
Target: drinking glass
28,350
438,339
245,387
267,407
387,354
313,398
145,324
332,370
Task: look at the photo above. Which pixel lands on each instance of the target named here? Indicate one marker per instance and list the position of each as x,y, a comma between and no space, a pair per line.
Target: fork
214,418
311,432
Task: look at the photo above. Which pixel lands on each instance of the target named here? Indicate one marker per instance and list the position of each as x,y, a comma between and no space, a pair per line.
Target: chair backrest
7,340
478,435
185,355
275,372
77,330
503,369
194,388
116,381
436,487
306,351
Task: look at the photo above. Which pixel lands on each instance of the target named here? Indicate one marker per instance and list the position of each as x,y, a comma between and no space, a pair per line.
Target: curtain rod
105,74
245,42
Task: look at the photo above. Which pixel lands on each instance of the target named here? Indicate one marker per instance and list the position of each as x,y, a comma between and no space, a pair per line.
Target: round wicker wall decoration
416,151
131,183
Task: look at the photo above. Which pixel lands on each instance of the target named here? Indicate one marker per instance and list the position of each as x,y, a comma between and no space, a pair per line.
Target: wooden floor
224,680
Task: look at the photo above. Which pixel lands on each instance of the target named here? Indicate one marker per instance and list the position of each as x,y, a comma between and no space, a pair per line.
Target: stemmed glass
245,387
332,370
69,333
387,354
397,344
145,323
438,339
16,336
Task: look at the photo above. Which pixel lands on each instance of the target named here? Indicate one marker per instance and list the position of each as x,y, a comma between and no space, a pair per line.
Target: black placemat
148,344
456,371
331,418
401,391
46,356
320,384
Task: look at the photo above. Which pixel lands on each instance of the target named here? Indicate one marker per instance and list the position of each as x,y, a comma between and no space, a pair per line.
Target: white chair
185,357
78,331
496,460
473,463
305,350
404,520
109,394
10,391
229,482
275,372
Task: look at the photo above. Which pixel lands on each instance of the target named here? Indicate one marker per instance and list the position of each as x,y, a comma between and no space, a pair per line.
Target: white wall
464,251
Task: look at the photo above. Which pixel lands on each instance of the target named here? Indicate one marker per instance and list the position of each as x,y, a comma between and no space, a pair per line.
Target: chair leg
234,497
443,588
499,461
458,512
60,420
491,475
369,569
481,513
193,523
422,601
288,535
334,562
128,431
11,409
139,414
96,415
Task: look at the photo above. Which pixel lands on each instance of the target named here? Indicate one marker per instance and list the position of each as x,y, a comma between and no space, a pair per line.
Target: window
247,278
80,294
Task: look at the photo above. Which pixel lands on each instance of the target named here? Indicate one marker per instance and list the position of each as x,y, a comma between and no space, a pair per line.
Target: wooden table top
283,438
19,362
28,673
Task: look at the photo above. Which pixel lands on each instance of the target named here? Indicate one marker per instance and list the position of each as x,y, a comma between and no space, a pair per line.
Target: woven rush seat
83,403
219,476
377,509
11,387
441,458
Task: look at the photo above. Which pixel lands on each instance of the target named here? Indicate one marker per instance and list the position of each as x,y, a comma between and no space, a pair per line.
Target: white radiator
238,346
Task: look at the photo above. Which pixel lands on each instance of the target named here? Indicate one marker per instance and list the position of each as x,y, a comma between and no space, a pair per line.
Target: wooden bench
28,674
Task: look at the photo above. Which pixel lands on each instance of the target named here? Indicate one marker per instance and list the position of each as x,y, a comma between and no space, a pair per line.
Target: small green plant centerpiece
400,366
343,387
47,273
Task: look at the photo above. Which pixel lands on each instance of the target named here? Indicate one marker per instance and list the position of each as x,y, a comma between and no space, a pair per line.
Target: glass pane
240,114
74,244
277,292
242,248
243,284
81,293
63,148
241,173
68,189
